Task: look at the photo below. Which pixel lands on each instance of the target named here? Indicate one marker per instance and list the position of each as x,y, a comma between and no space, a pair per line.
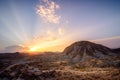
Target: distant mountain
84,50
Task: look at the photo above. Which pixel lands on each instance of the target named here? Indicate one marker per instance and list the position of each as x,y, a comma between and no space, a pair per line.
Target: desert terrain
57,66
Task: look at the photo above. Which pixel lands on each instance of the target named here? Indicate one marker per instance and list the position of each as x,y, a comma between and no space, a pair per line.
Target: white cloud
60,31
47,11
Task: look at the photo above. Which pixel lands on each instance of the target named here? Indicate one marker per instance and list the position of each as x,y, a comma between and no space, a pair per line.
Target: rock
19,79
83,50
5,78
37,73
13,74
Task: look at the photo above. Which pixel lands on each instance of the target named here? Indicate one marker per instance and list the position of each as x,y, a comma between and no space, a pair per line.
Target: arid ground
50,66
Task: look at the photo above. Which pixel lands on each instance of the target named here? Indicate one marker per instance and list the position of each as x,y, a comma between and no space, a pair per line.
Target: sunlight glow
33,49
53,45
36,39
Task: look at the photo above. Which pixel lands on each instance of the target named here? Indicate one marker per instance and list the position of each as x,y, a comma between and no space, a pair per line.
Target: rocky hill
90,54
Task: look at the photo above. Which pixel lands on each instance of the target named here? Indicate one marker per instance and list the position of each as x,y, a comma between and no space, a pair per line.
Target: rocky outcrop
84,50
26,72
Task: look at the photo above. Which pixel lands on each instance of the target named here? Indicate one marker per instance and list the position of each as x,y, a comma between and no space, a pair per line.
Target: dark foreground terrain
51,66
58,66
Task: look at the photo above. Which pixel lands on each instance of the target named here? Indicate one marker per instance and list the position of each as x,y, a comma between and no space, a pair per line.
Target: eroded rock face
85,50
26,72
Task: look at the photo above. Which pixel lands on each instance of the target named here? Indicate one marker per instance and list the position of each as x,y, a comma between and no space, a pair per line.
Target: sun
33,49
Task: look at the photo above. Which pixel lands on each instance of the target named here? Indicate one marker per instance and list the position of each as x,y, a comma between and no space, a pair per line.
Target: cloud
14,48
50,36
60,31
112,42
47,11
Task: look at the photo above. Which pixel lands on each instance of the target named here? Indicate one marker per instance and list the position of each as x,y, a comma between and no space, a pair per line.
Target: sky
51,25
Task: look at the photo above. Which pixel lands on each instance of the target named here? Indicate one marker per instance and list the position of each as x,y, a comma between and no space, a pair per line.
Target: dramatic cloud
47,11
14,48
